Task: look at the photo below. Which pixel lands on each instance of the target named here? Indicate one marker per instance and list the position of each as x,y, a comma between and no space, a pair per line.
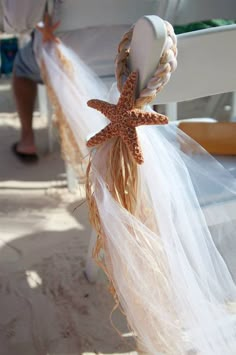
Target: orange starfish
48,30
124,119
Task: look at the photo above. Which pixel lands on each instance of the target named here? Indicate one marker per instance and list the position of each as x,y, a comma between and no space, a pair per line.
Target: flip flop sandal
24,157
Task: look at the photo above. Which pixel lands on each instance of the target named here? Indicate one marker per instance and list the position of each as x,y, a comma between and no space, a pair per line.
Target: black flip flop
24,157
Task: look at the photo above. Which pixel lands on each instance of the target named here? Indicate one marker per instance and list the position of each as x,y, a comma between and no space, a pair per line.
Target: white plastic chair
180,12
203,61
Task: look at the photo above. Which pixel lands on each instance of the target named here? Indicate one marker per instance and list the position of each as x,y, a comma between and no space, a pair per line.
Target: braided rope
166,66
122,69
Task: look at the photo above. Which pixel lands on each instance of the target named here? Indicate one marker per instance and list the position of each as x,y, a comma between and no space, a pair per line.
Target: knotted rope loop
166,66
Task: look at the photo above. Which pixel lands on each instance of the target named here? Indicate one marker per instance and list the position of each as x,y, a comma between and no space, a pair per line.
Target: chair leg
72,181
91,270
46,111
50,134
212,105
233,111
171,111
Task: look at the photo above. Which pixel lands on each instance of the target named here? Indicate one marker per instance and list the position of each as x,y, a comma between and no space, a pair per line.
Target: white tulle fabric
171,274
74,94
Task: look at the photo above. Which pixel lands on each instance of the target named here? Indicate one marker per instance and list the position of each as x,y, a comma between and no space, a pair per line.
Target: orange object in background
218,138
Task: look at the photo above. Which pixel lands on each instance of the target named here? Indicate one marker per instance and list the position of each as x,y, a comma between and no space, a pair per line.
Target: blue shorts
25,64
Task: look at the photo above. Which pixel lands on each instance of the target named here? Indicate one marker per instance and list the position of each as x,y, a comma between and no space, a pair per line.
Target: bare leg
25,91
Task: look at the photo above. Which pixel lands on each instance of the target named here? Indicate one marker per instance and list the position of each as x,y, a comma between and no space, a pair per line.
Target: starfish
124,118
48,30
